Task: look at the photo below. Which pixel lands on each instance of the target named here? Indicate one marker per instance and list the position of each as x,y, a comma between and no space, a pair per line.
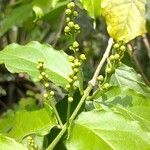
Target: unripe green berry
122,48
82,57
71,24
116,45
77,49
67,29
77,64
108,70
52,93
71,5
75,78
46,76
68,11
75,44
100,78
67,19
71,58
75,13
76,26
70,80
43,73
117,56
70,99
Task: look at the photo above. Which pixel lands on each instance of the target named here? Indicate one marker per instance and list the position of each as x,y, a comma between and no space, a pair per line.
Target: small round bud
71,75
77,64
71,58
46,84
68,86
70,80
70,99
106,86
75,44
75,78
29,138
71,24
82,57
43,73
46,76
67,29
71,5
40,77
108,70
117,56
68,11
67,19
112,57
77,49
116,45
52,93
45,95
122,48
75,13
76,70
76,26
100,78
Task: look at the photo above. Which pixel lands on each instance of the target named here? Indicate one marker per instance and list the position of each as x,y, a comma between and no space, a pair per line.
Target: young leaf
18,58
93,7
7,143
106,130
125,18
126,77
38,122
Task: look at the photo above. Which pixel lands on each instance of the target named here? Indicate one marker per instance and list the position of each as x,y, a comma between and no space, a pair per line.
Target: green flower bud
67,19
40,77
52,93
68,11
112,57
117,56
67,29
100,78
75,13
122,48
106,86
43,73
71,5
116,45
82,57
75,78
75,44
108,70
76,70
76,26
70,80
71,24
70,99
68,86
46,84
45,95
71,58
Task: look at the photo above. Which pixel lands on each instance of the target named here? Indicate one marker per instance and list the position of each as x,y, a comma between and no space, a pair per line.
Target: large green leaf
7,143
18,58
126,77
38,122
125,18
16,17
107,130
93,7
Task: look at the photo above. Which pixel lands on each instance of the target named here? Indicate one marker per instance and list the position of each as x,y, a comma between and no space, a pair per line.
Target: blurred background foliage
22,21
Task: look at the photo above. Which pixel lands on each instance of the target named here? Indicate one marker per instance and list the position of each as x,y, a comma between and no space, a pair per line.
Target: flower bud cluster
31,143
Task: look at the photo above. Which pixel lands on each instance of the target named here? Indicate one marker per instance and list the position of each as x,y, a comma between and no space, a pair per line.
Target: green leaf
107,130
125,18
18,58
126,77
7,143
16,17
93,7
38,122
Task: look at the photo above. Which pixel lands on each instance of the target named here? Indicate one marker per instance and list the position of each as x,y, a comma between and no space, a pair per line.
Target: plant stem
105,56
68,113
147,45
85,95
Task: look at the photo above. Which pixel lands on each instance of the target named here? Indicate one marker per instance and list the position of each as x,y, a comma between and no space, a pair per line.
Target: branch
146,42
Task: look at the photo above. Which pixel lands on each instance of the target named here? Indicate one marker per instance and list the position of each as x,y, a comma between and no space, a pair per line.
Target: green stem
68,113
